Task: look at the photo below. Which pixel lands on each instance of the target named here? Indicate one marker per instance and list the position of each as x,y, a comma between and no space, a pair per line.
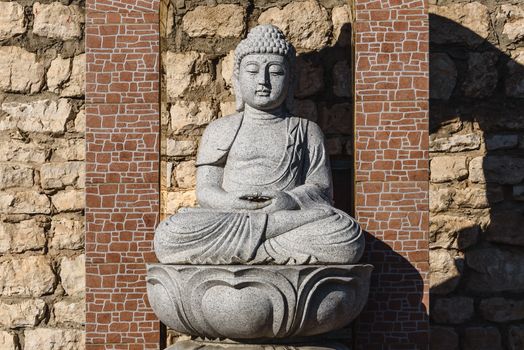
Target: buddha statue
264,184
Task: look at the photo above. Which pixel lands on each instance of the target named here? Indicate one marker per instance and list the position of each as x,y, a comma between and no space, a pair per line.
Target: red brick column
391,155
122,177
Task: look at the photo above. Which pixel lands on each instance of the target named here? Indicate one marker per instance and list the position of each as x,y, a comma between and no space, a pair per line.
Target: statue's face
264,80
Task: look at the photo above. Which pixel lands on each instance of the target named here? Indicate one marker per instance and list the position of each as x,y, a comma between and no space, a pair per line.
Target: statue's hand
238,200
280,200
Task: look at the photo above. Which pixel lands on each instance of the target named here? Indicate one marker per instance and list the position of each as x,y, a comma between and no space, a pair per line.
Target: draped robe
213,236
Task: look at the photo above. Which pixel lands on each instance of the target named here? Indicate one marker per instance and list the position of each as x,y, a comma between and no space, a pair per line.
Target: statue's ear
238,94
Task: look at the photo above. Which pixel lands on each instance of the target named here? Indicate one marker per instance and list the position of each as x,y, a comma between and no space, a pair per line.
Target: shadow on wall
477,173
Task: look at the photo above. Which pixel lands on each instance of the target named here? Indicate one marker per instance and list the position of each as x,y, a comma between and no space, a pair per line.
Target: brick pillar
122,178
391,155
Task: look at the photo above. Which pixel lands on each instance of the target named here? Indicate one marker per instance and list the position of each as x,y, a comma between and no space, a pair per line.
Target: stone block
227,68
448,168
516,337
58,73
58,21
458,232
59,175
187,116
482,338
310,78
21,313
506,226
305,109
15,175
8,341
514,78
72,275
70,311
69,200
184,72
67,232
506,169
228,108
502,309
482,75
181,148
29,276
471,23
443,338
225,21
38,116
185,175
455,143
54,339
306,24
513,17
25,202
342,79
21,236
68,149
443,76
518,192
12,21
80,121
23,152
180,199
75,87
20,71
341,17
502,141
454,310
338,119
444,272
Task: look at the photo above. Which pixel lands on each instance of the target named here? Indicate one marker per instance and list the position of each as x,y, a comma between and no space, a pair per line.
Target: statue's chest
259,143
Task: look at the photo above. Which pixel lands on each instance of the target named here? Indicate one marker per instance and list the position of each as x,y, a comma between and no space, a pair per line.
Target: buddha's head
263,74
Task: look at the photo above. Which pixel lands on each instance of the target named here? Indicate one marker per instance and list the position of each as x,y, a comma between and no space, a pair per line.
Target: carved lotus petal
257,302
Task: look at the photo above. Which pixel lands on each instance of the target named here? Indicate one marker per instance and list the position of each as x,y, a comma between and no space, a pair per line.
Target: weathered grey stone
185,174
513,16
470,23
444,273
443,338
506,226
495,270
21,236
26,276
8,341
242,292
25,202
15,175
75,87
180,199
342,18
68,149
482,338
58,73
446,231
21,313
310,78
188,115
224,20
448,168
181,147
58,175
454,310
72,275
69,311
502,309
55,20
67,232
306,24
305,109
11,19
455,143
502,141
482,75
38,116
20,71
443,76
516,337
499,169
80,121
342,84
19,151
184,72
54,339
69,200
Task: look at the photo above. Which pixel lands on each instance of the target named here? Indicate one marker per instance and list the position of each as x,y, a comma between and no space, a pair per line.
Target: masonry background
42,123
476,145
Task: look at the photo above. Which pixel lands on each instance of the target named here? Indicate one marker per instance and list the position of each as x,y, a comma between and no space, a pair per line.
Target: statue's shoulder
218,138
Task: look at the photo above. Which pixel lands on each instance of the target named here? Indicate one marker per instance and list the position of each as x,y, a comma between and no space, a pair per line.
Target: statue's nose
262,78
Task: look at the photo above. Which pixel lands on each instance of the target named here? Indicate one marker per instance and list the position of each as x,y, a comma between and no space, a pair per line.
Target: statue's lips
264,93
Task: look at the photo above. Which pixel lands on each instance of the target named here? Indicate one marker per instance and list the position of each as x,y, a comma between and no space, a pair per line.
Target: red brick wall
122,191
391,170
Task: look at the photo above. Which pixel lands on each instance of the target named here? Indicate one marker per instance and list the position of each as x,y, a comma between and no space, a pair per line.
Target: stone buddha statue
264,184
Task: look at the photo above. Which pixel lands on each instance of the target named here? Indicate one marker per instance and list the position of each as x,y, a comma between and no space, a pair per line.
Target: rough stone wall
477,173
41,175
198,40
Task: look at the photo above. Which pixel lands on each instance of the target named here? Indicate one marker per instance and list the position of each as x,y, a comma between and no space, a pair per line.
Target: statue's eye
276,70
252,68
